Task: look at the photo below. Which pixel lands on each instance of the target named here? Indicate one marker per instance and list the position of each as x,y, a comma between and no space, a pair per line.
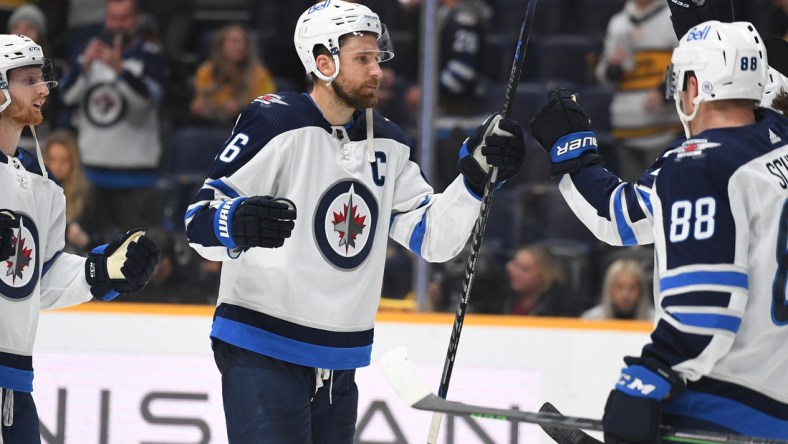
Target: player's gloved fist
257,221
123,266
8,222
634,408
498,142
561,127
688,14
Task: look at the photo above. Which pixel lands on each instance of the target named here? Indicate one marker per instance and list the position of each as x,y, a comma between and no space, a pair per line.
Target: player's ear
325,64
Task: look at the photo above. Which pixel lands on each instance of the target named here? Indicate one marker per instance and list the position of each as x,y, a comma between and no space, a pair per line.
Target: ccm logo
575,144
636,384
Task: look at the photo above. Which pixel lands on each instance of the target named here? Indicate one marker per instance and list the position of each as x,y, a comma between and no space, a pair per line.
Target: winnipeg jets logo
20,261
349,225
269,99
19,273
692,148
345,220
104,105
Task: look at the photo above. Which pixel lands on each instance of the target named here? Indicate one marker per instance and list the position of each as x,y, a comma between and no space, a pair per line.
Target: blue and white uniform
313,301
716,208
40,276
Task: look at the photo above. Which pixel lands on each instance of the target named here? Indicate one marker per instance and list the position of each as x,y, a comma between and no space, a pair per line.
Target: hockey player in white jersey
298,296
35,274
714,206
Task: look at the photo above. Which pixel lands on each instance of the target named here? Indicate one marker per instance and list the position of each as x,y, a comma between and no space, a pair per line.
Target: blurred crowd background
197,63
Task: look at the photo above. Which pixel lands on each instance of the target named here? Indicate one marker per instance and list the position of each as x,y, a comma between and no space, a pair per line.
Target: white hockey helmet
776,83
728,59
17,51
325,22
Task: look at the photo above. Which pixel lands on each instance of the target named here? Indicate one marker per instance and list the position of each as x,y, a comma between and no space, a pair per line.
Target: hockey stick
402,376
481,222
563,435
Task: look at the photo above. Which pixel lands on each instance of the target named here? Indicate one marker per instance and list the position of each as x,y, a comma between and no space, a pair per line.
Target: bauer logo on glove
574,144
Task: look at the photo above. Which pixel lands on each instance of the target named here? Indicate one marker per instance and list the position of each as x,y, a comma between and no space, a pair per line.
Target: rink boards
138,373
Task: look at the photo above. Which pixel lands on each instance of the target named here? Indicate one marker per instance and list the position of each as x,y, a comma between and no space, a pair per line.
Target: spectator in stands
538,282
624,293
29,20
638,46
61,157
231,78
461,27
116,83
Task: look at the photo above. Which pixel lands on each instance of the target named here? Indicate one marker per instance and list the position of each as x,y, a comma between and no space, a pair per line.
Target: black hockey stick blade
563,435
402,376
777,54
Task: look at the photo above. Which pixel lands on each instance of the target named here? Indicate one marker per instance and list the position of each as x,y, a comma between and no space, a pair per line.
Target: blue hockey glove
561,127
634,408
123,266
498,142
257,221
8,222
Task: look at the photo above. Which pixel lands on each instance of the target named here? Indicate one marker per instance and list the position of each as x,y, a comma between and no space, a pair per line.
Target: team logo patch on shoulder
268,100
19,273
692,148
345,222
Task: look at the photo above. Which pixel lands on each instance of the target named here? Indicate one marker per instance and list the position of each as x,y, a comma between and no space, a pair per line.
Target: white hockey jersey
313,301
716,209
39,276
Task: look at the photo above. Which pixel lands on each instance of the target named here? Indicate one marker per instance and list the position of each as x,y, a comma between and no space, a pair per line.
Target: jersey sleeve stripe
625,232
417,237
223,187
645,197
48,264
707,320
704,278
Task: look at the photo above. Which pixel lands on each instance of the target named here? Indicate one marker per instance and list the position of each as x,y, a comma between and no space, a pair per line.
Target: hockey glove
123,266
634,408
8,222
561,127
686,14
498,142
257,221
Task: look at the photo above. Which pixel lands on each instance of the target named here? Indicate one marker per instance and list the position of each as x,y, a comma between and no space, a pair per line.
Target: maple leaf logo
20,261
349,225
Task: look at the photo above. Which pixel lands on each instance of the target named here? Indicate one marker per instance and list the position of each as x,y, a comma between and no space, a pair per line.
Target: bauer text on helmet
325,22
727,59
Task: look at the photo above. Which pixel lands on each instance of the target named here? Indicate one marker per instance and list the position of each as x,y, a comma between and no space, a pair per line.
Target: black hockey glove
123,266
561,126
498,142
257,221
8,222
686,14
634,408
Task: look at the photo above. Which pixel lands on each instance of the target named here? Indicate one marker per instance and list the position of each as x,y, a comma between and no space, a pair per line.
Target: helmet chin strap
7,100
39,154
325,78
686,119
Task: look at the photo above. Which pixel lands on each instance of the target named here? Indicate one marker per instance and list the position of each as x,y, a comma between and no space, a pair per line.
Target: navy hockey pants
25,426
271,401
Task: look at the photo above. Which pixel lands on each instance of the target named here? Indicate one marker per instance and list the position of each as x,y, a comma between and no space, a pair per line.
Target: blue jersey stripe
16,379
624,231
290,350
48,264
646,199
728,413
729,278
708,320
417,237
223,187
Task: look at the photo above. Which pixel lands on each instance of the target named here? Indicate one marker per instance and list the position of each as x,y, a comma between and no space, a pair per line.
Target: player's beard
356,97
23,115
